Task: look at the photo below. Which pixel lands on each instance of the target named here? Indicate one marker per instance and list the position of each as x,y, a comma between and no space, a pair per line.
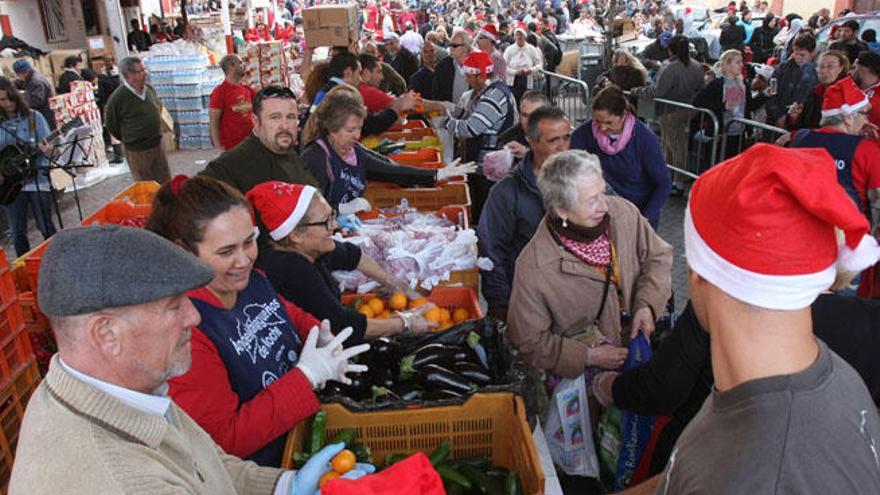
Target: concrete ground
190,162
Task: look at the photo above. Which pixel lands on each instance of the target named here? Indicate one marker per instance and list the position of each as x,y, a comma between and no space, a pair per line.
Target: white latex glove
329,362
397,284
325,336
414,319
354,206
456,170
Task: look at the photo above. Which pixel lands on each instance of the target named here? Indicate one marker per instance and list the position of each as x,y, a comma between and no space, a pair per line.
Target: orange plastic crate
455,214
490,425
14,395
463,278
408,134
139,193
409,124
429,158
15,352
383,195
450,298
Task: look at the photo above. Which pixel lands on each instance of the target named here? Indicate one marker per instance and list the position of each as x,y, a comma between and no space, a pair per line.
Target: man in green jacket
268,154
134,117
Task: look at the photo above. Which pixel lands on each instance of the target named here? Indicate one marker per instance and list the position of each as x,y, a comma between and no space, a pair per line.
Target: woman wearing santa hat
256,358
302,254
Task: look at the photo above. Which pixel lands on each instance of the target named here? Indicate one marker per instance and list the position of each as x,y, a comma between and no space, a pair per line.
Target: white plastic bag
568,431
496,164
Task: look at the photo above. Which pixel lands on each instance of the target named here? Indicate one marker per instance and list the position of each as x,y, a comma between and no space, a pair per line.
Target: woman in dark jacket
762,44
342,166
831,67
728,96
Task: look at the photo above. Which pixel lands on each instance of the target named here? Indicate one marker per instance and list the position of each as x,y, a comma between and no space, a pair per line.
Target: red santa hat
478,63
521,26
281,205
489,31
843,98
763,225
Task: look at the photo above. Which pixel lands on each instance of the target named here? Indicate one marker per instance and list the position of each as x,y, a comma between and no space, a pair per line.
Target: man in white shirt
412,40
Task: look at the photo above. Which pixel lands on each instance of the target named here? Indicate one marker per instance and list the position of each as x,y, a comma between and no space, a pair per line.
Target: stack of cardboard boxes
100,51
331,25
80,102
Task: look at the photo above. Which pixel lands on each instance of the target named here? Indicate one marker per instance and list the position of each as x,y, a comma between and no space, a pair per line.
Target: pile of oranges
341,464
378,308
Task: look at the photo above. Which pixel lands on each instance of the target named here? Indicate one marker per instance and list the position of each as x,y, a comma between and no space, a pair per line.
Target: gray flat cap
86,269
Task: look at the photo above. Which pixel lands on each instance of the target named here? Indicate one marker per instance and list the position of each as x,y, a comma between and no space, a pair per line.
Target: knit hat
22,66
87,269
521,26
490,32
843,98
762,227
478,63
281,205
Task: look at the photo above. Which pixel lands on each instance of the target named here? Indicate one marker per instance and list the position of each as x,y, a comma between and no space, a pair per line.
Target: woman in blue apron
256,358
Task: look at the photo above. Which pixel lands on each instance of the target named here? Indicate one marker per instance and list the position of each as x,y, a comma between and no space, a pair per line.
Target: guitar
18,163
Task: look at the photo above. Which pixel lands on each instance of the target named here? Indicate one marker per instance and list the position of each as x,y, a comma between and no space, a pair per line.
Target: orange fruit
332,475
418,303
367,311
460,315
433,314
377,305
398,301
343,462
384,314
445,315
444,326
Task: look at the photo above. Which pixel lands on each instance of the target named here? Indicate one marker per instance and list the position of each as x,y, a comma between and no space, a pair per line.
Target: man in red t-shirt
375,99
230,107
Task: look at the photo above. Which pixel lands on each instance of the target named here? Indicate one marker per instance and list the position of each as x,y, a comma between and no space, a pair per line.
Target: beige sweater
77,439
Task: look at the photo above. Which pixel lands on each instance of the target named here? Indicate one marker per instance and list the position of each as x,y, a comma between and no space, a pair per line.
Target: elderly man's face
458,49
137,77
155,341
392,46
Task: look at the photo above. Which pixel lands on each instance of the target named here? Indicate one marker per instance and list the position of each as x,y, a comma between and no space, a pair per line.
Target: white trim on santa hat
477,70
845,109
866,254
782,292
487,34
299,211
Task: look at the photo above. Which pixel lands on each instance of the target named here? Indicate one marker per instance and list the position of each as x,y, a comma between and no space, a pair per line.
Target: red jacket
205,393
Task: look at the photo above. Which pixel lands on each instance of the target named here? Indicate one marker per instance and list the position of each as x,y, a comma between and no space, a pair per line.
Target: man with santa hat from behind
786,414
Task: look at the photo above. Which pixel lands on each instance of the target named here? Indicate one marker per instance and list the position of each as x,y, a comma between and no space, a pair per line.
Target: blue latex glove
349,223
360,469
305,481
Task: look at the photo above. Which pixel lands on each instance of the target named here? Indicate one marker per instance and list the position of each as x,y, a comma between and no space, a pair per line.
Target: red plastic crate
139,193
409,124
15,352
427,158
14,395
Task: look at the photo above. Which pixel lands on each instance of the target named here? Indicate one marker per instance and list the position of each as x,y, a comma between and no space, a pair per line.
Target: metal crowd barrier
747,132
689,135
569,94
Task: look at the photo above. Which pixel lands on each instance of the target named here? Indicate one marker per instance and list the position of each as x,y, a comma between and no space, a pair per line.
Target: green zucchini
345,436
448,474
441,453
319,430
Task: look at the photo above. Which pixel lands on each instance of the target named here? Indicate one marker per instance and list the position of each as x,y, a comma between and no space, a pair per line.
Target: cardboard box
624,30
99,46
169,142
331,25
56,59
6,65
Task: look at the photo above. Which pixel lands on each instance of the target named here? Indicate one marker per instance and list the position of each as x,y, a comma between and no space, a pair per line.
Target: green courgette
345,436
486,484
319,430
441,453
449,474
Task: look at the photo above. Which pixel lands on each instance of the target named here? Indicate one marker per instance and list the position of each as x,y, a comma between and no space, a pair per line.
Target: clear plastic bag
496,164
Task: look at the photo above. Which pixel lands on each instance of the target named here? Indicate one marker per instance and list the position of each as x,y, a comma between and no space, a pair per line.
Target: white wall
27,24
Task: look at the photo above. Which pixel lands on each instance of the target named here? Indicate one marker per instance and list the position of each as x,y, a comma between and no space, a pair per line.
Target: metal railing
689,135
748,133
571,95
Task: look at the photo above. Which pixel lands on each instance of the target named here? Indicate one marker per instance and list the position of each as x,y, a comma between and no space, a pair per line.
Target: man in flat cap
100,421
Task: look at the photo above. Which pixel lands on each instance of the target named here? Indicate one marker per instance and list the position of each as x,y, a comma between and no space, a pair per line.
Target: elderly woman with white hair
594,274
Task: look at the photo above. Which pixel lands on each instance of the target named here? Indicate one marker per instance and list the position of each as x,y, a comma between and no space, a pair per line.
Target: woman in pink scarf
630,153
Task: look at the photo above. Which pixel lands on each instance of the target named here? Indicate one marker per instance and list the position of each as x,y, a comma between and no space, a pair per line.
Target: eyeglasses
273,92
329,223
456,45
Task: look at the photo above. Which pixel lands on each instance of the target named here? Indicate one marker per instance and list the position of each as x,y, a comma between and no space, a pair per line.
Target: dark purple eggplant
360,387
333,388
408,391
434,376
385,378
428,354
472,371
460,353
442,394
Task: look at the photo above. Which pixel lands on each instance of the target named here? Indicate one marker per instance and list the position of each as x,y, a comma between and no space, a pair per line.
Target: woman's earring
565,223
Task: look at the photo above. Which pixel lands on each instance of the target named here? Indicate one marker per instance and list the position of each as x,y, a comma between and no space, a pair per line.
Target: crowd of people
232,339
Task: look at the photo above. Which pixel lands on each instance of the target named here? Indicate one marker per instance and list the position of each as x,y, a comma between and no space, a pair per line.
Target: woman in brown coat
561,316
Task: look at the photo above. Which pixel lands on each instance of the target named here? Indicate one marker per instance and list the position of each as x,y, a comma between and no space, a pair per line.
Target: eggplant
381,395
384,347
442,394
385,378
472,371
473,341
460,353
334,388
434,376
428,354
407,392
359,389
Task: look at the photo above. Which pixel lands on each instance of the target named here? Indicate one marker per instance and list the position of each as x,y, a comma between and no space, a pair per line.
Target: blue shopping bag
635,429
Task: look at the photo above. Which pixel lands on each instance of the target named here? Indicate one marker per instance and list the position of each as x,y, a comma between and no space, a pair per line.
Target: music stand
72,153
